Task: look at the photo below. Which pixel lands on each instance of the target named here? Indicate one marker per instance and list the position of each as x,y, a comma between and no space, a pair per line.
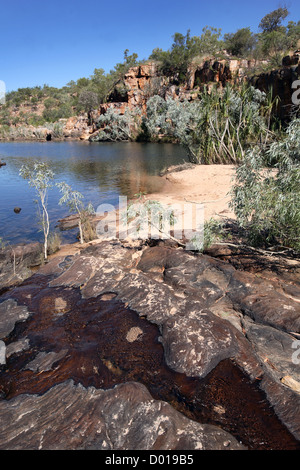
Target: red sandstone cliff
143,81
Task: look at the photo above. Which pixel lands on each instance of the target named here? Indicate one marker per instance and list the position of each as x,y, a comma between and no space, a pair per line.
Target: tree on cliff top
88,100
272,21
274,41
241,43
175,62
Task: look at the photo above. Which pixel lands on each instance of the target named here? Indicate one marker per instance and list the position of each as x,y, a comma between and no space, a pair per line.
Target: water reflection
101,172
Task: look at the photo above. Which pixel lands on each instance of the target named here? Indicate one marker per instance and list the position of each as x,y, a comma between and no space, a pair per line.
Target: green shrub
241,43
217,128
266,196
54,242
62,111
114,126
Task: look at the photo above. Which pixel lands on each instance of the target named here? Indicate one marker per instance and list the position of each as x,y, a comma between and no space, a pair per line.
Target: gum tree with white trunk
40,177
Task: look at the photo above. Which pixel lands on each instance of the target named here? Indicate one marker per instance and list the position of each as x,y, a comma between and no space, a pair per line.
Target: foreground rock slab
139,347
124,418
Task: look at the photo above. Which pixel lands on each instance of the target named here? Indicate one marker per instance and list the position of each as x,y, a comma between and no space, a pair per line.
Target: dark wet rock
124,418
133,336
68,223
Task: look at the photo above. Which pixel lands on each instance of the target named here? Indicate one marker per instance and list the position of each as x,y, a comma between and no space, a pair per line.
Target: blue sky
56,41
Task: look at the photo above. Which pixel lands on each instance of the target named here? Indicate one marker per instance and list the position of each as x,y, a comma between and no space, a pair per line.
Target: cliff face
138,84
143,81
221,71
132,92
281,82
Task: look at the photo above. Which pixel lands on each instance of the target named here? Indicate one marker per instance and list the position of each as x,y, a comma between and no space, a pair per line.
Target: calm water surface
100,171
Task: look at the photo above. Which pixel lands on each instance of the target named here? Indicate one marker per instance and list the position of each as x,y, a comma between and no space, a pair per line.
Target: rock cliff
281,81
143,81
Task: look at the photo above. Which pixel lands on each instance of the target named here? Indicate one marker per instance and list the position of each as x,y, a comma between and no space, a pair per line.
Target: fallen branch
168,235
206,202
258,250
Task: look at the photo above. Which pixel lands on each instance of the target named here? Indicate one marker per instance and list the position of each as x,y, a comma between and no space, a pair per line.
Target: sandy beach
206,184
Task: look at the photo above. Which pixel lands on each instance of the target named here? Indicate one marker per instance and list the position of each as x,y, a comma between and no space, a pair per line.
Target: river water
100,171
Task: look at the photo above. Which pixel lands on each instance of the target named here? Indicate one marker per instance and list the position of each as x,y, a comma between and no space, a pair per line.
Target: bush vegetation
217,128
266,196
114,126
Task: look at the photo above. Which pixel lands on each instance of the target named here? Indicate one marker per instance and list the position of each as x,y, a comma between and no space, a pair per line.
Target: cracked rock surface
149,347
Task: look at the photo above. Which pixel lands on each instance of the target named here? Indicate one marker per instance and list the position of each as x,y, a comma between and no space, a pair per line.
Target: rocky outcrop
142,82
16,261
220,71
131,93
291,60
280,81
128,346
145,80
138,84
77,127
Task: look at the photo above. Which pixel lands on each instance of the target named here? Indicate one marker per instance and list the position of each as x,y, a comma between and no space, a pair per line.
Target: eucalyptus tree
274,40
273,21
74,200
40,177
241,43
88,100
